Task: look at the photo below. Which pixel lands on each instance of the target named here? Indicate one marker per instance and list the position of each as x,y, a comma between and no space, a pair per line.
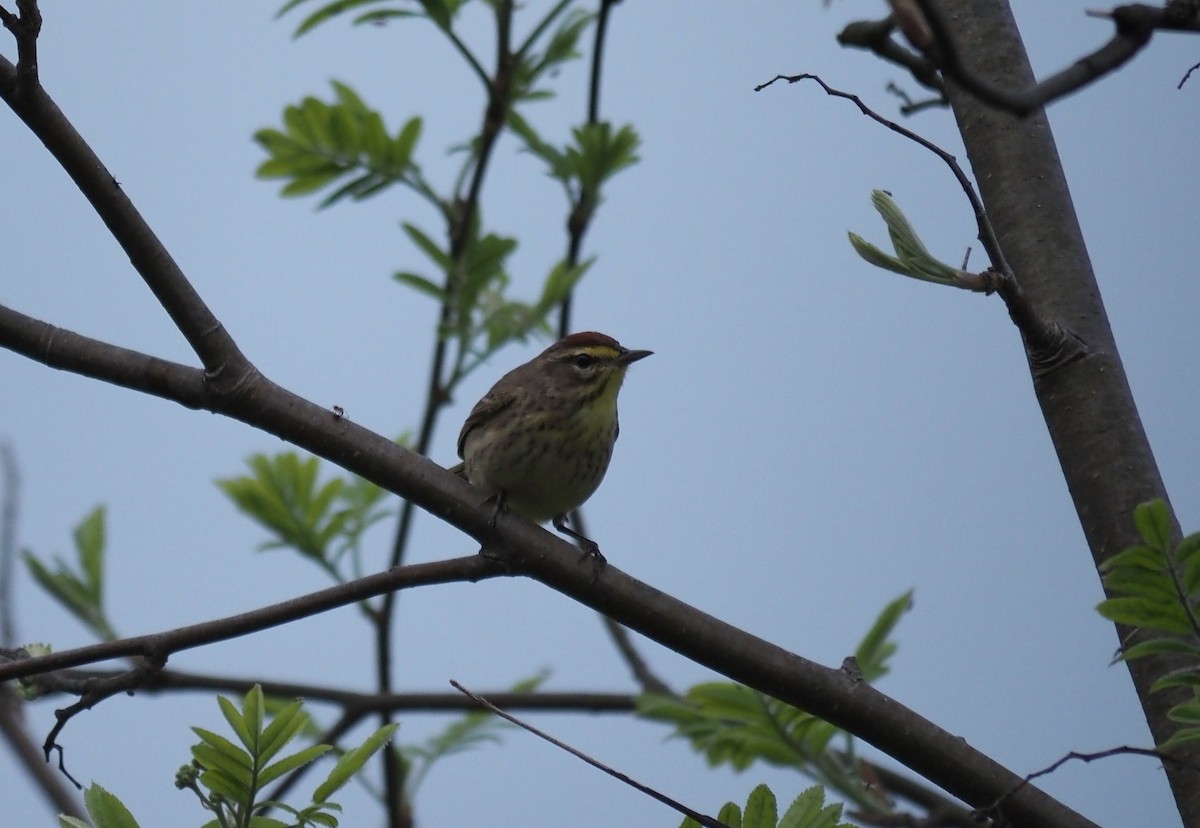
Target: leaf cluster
1156,586
595,154
734,725
323,521
912,258
808,810
321,143
229,776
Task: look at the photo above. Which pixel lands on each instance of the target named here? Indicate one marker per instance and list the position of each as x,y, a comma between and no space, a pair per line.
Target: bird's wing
484,410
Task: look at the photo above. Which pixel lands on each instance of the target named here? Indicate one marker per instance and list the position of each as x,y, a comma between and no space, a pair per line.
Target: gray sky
812,438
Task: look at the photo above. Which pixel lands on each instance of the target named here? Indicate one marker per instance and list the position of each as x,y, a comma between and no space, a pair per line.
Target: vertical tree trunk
1088,407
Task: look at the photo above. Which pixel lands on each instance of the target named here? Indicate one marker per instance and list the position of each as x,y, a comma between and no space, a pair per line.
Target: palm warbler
539,442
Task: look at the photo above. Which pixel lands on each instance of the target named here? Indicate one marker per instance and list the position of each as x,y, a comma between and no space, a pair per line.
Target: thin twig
579,220
461,219
1124,750
92,692
578,754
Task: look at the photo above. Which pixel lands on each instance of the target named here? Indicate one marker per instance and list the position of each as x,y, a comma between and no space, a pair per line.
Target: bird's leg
501,500
589,546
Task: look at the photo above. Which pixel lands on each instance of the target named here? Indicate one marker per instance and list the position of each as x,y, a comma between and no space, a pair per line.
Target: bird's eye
583,361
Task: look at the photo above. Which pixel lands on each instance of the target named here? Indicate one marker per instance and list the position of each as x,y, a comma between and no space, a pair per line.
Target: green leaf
401,150
1183,677
106,810
246,725
1138,557
285,496
1140,612
1185,553
1156,586
1186,713
760,811
311,182
1180,738
285,724
1153,522
421,284
289,763
81,593
873,255
810,811
1158,646
237,770
267,822
323,13
561,280
439,11
428,246
89,544
352,761
875,648
912,259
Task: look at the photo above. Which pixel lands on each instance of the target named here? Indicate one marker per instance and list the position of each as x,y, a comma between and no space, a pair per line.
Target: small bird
540,440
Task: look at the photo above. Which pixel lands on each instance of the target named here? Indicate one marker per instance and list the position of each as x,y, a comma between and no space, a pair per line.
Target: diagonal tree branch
231,386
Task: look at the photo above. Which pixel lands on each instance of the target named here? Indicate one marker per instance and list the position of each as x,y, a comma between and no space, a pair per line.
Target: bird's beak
632,356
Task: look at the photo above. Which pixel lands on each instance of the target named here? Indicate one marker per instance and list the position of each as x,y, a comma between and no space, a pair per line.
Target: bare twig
1123,750
15,732
578,754
91,692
